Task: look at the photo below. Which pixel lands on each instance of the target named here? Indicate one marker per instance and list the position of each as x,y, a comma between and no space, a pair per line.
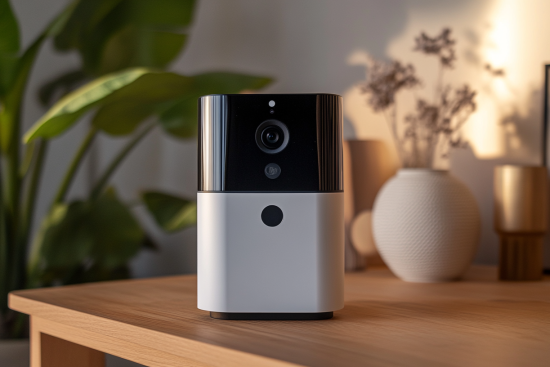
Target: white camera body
270,206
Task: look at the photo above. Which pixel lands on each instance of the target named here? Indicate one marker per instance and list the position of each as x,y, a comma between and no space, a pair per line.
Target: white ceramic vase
426,225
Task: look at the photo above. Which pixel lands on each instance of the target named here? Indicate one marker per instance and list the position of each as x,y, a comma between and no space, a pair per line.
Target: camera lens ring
277,126
272,137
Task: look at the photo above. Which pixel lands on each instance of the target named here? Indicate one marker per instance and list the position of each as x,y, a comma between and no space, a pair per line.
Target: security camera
270,206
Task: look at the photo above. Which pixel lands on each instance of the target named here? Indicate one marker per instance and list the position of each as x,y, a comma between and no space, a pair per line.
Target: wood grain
521,256
49,351
386,322
57,352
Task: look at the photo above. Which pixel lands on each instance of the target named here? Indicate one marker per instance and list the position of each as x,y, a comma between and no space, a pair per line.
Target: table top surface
385,321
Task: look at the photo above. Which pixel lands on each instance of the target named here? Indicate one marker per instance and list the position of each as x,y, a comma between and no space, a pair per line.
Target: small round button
272,170
272,215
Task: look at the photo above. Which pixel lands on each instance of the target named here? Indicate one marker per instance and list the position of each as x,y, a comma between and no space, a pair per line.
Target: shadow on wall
517,135
522,133
520,143
508,120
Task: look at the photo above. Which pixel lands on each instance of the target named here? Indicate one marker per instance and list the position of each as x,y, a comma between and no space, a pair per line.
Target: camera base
271,315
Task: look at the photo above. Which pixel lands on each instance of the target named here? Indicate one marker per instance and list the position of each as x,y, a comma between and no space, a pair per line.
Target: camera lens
272,137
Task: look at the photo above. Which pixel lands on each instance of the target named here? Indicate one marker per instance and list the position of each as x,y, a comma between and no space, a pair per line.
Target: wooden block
49,351
57,352
520,257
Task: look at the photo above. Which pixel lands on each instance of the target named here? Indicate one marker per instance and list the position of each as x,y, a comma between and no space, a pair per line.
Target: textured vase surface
426,225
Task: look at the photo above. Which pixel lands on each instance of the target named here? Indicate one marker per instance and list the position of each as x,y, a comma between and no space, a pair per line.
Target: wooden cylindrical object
521,210
368,164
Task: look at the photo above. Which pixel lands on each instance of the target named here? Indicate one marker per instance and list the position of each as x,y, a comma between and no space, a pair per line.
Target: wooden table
386,322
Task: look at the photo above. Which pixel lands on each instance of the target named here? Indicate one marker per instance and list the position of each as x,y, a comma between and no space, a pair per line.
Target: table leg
50,351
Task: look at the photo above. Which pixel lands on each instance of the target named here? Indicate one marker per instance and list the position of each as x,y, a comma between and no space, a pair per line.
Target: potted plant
425,221
125,47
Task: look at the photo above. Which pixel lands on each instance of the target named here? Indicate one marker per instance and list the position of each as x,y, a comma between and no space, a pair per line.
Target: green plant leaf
171,213
91,23
180,118
112,35
161,13
61,84
69,109
120,50
144,33
117,235
12,101
172,96
121,118
68,238
58,24
133,46
164,47
122,111
15,85
8,71
27,158
86,15
74,238
9,29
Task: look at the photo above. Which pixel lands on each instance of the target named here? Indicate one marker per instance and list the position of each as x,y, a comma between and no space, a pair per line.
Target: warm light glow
483,132
508,36
502,41
498,98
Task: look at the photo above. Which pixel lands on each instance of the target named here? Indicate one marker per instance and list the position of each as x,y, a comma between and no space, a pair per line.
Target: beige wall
507,126
307,45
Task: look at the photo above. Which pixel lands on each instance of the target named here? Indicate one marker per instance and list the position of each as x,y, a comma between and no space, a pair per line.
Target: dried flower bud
385,80
441,45
494,71
434,127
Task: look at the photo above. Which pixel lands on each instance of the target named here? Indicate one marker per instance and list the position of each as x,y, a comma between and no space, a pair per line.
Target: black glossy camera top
237,142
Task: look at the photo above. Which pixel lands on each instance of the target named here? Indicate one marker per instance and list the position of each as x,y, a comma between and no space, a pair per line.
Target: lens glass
272,137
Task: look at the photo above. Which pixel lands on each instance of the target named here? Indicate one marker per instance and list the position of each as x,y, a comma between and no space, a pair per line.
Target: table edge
127,332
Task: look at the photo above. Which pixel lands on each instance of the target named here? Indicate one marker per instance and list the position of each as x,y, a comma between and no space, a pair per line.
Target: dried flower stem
433,129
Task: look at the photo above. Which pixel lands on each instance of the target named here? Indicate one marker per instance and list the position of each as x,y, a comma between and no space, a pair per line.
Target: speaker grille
329,142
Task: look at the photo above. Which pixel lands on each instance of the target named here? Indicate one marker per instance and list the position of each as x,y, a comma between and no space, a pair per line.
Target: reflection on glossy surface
212,144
